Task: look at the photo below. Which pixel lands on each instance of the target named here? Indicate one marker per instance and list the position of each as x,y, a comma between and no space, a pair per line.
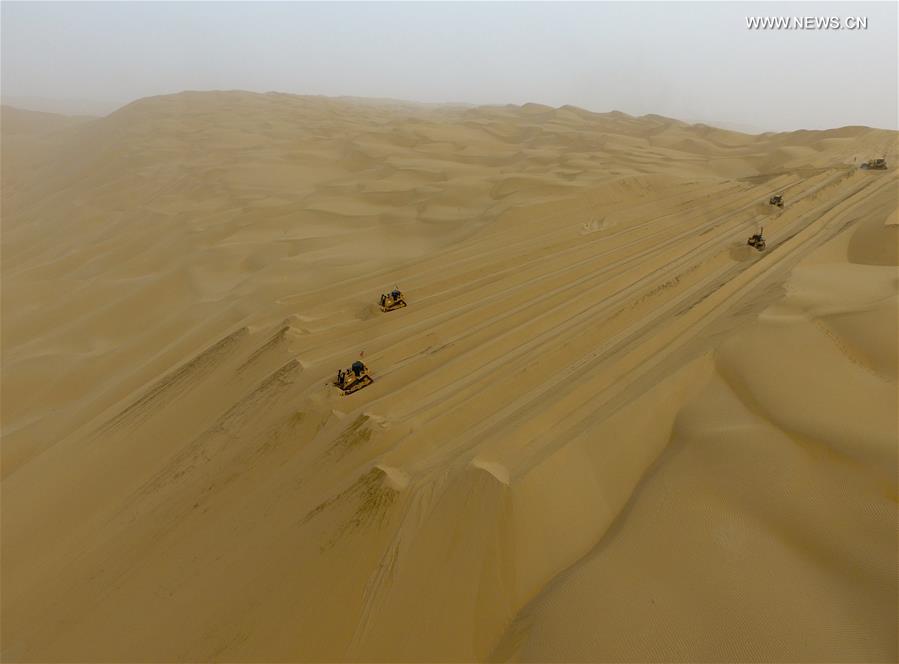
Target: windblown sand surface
604,429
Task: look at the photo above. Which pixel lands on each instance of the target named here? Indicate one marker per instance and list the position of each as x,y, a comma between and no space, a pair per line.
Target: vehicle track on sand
464,254
716,295
473,300
585,364
716,299
522,309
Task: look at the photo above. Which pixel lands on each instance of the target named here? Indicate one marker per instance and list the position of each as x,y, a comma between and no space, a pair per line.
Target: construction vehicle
354,378
777,200
875,165
757,240
392,300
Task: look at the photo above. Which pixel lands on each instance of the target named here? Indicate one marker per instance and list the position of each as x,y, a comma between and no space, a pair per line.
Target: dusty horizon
698,62
71,107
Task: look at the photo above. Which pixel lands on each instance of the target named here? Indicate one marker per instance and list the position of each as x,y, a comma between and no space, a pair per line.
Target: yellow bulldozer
354,378
875,165
392,300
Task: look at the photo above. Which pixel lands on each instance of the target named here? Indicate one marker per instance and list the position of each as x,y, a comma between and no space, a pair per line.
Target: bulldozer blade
392,307
365,381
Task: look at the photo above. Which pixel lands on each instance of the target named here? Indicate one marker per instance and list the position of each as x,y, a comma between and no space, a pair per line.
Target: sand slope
774,501
604,428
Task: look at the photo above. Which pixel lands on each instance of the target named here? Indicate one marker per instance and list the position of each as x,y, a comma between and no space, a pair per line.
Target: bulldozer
392,300
354,378
875,165
777,200
757,240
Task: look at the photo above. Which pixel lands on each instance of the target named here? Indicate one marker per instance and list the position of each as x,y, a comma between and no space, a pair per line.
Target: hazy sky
689,60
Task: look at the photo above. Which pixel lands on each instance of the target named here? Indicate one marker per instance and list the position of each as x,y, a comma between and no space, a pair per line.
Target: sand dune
604,429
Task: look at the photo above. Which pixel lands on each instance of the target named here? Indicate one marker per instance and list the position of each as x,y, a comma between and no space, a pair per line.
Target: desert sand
604,429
